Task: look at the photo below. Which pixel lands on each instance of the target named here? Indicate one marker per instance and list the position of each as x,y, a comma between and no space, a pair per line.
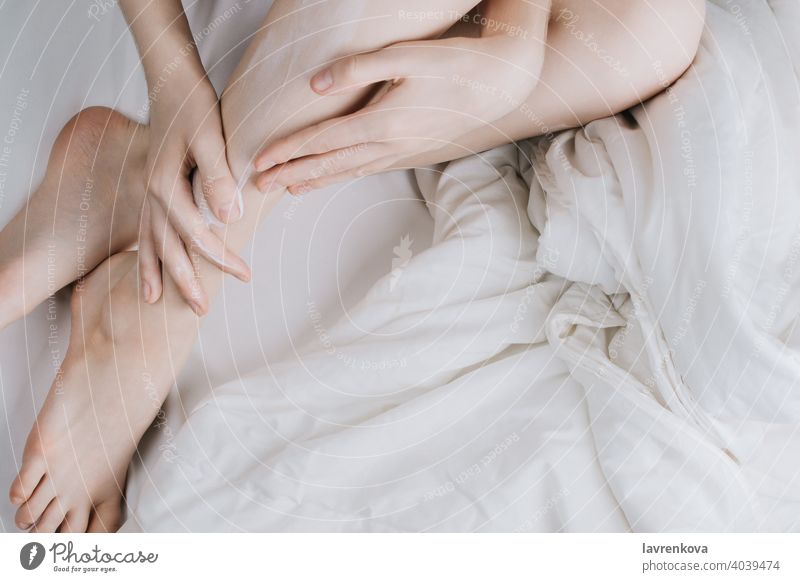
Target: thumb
357,71
219,186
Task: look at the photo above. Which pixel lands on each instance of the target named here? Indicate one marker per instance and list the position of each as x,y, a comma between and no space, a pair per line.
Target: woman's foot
115,376
86,208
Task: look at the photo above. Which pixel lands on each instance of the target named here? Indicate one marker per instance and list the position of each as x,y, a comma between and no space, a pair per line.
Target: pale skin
131,333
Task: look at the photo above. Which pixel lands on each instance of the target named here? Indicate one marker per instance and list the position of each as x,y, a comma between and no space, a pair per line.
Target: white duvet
655,253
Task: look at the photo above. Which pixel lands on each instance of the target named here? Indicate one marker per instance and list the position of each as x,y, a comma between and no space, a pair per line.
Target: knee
669,34
652,44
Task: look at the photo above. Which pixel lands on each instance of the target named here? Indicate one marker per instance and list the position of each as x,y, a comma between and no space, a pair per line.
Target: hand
435,92
186,133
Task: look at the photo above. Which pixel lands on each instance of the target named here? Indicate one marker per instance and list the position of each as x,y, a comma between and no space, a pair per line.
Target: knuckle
160,186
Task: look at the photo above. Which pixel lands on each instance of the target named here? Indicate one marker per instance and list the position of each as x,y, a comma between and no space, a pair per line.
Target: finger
31,473
30,511
334,134
149,267
176,261
219,187
318,166
375,167
356,71
198,238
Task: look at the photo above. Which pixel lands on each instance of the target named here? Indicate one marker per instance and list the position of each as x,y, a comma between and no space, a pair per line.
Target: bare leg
80,214
267,97
124,354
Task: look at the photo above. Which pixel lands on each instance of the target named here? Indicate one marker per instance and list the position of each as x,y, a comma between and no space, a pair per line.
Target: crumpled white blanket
685,215
654,253
436,404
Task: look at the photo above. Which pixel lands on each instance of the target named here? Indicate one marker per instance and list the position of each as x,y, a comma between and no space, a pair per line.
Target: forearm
599,59
523,26
163,37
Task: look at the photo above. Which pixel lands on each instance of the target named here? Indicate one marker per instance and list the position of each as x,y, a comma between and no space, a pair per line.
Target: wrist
171,61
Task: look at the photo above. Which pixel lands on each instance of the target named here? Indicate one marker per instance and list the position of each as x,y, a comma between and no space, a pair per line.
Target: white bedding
435,404
598,335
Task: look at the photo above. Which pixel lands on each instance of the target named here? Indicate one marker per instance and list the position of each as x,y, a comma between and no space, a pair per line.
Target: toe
76,521
34,507
24,485
51,518
106,517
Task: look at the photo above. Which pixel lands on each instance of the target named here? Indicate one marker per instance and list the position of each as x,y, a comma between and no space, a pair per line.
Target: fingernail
322,81
146,291
24,525
300,189
16,499
198,310
238,269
